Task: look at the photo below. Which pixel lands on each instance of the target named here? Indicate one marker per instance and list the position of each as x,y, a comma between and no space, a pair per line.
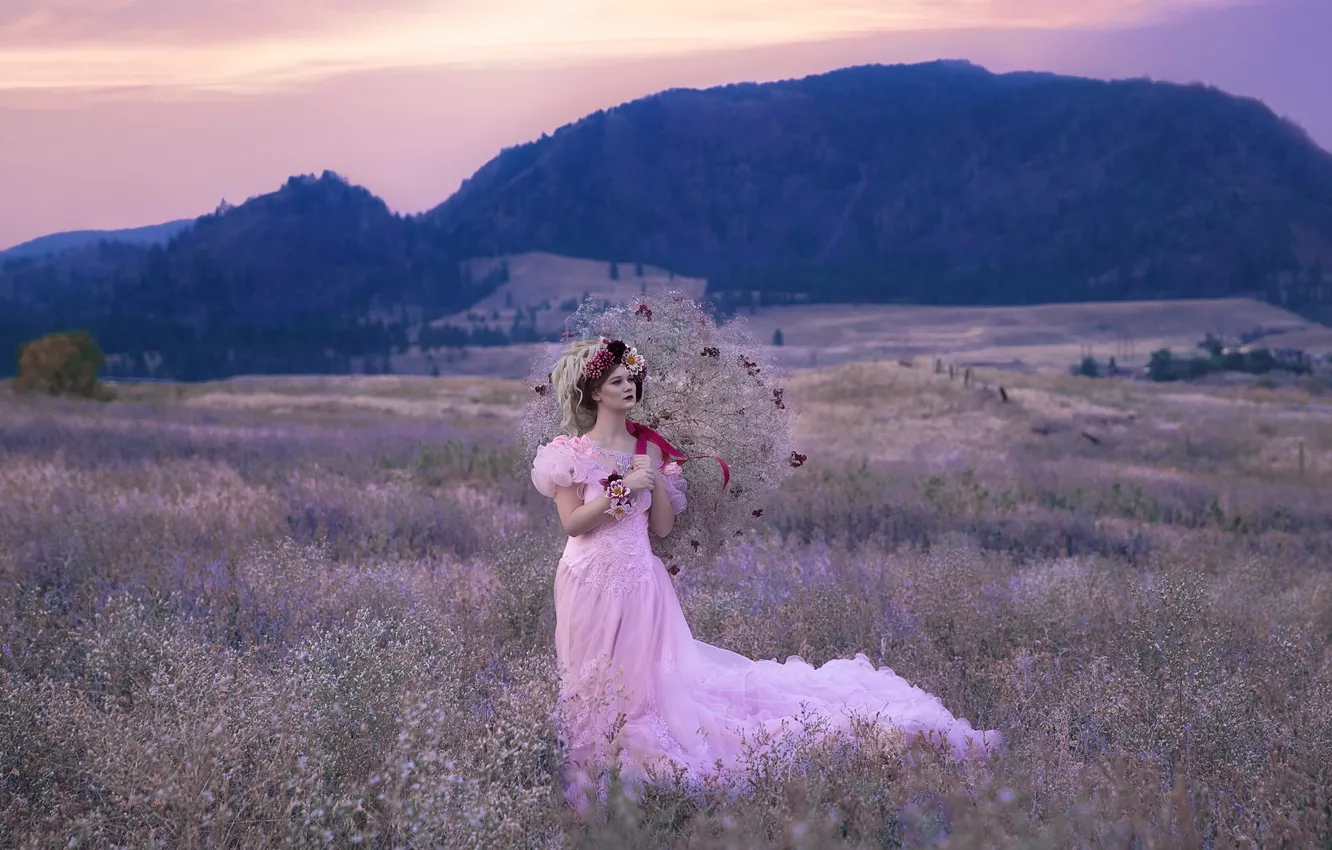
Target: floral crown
611,353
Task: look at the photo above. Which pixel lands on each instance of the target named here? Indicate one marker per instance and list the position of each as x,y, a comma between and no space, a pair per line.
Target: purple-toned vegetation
239,630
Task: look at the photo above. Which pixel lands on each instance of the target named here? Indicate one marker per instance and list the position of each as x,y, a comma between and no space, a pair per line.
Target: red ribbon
646,435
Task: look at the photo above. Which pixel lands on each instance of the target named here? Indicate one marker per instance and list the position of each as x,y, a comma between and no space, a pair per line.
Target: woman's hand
641,475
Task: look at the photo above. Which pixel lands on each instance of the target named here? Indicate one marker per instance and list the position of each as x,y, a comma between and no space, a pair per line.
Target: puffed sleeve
676,485
559,463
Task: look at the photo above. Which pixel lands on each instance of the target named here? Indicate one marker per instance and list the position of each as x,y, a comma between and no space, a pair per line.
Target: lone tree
63,363
777,338
614,270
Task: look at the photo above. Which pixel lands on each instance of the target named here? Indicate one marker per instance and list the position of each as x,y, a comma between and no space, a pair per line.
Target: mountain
935,183
58,243
302,279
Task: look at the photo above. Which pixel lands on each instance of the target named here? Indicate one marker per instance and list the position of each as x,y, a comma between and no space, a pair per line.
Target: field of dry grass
886,411
473,403
1045,338
879,410
317,612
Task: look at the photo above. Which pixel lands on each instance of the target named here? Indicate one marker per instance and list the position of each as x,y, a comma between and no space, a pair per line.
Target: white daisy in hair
634,362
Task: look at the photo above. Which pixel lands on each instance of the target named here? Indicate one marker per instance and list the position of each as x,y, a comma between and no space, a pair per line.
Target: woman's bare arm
578,518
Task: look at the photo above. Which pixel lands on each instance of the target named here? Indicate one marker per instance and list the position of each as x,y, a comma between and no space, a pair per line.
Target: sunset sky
118,113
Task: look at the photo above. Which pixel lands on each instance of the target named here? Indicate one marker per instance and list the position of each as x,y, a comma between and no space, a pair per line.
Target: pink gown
627,658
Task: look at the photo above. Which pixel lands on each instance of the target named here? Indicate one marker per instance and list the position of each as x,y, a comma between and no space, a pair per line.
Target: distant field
1042,338
471,404
880,410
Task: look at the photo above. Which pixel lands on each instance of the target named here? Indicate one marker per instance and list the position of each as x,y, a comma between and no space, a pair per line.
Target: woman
636,685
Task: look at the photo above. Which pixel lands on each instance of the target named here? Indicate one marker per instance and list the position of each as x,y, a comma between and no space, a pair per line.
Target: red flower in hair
599,364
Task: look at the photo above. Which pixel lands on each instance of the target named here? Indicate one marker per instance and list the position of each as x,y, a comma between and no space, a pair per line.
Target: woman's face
617,393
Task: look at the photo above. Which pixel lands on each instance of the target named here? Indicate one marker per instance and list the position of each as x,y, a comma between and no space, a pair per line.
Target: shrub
63,363
1088,368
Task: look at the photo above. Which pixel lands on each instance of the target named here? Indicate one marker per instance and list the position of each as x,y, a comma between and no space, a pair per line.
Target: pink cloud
1062,13
55,22
248,45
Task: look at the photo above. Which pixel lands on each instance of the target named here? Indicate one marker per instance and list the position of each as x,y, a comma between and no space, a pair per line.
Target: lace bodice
616,556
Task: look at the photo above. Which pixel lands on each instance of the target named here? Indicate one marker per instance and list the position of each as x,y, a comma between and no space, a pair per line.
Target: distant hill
56,243
936,183
319,276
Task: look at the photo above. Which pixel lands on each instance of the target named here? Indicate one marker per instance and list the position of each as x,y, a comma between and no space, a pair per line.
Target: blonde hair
573,390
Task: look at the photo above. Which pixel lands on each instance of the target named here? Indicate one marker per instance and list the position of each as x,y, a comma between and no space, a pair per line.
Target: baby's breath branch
708,391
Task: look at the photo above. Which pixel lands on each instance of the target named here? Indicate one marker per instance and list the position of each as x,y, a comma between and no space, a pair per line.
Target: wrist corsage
618,492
